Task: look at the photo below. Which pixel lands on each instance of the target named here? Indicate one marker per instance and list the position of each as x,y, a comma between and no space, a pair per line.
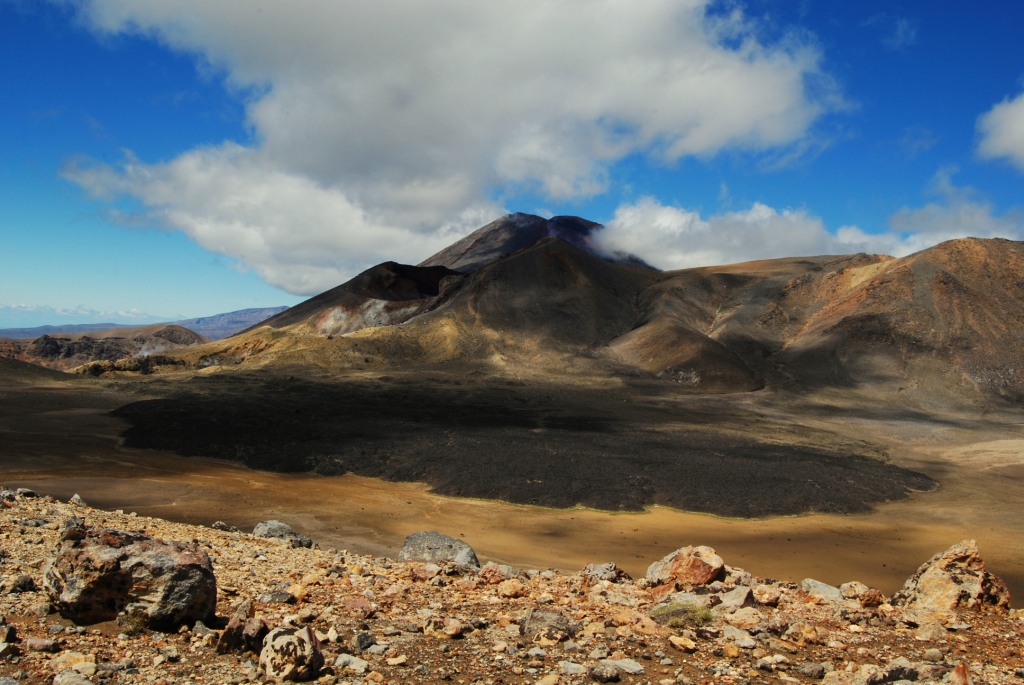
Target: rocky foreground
90,596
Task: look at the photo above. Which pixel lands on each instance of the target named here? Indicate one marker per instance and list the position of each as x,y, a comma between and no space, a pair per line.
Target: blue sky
168,159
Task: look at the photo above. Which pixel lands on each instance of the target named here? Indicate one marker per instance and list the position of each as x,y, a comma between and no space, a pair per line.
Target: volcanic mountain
392,293
550,373
939,320
530,293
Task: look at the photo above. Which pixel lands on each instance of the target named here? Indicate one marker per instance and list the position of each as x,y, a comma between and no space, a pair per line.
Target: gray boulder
812,671
432,546
736,599
627,666
71,678
605,672
823,591
281,531
609,571
98,572
551,625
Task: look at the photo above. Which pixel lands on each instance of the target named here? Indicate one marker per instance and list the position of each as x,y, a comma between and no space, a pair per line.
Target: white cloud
958,212
1002,131
297,234
31,315
676,238
381,128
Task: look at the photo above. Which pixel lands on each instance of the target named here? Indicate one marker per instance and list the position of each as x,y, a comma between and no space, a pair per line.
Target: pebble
605,672
571,668
351,601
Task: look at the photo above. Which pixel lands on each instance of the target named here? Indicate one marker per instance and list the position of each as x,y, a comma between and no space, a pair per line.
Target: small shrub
683,615
699,616
132,622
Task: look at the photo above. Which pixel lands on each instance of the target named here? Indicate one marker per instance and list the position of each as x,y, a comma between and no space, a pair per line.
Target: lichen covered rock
281,531
96,573
686,567
432,546
954,579
292,654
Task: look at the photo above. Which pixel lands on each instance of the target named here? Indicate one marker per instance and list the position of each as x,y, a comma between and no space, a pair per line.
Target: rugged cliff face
65,352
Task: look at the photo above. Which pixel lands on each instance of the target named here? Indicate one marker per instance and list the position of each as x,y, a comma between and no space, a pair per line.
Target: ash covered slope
944,319
552,293
16,372
384,294
941,320
936,323
392,293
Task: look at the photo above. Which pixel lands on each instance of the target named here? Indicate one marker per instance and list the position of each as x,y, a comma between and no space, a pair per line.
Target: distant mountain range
216,327
539,296
525,291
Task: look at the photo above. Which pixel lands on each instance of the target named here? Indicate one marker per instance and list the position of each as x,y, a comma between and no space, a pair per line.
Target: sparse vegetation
680,615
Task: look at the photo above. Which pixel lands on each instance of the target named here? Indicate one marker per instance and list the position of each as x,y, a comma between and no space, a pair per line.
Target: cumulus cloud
957,212
381,129
297,234
676,238
1002,131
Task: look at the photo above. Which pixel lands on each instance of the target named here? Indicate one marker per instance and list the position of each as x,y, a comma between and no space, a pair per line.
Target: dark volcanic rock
245,631
104,572
432,546
702,459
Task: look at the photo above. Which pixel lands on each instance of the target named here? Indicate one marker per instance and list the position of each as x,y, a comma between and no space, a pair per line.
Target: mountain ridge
214,327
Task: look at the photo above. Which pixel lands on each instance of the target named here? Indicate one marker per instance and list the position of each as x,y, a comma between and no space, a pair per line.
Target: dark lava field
555,445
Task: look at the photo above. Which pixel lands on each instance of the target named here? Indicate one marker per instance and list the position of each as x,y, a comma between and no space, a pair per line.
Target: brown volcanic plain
884,389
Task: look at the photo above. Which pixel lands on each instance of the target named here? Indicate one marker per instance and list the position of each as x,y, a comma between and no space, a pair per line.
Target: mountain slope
555,293
954,308
935,325
385,294
220,326
941,320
